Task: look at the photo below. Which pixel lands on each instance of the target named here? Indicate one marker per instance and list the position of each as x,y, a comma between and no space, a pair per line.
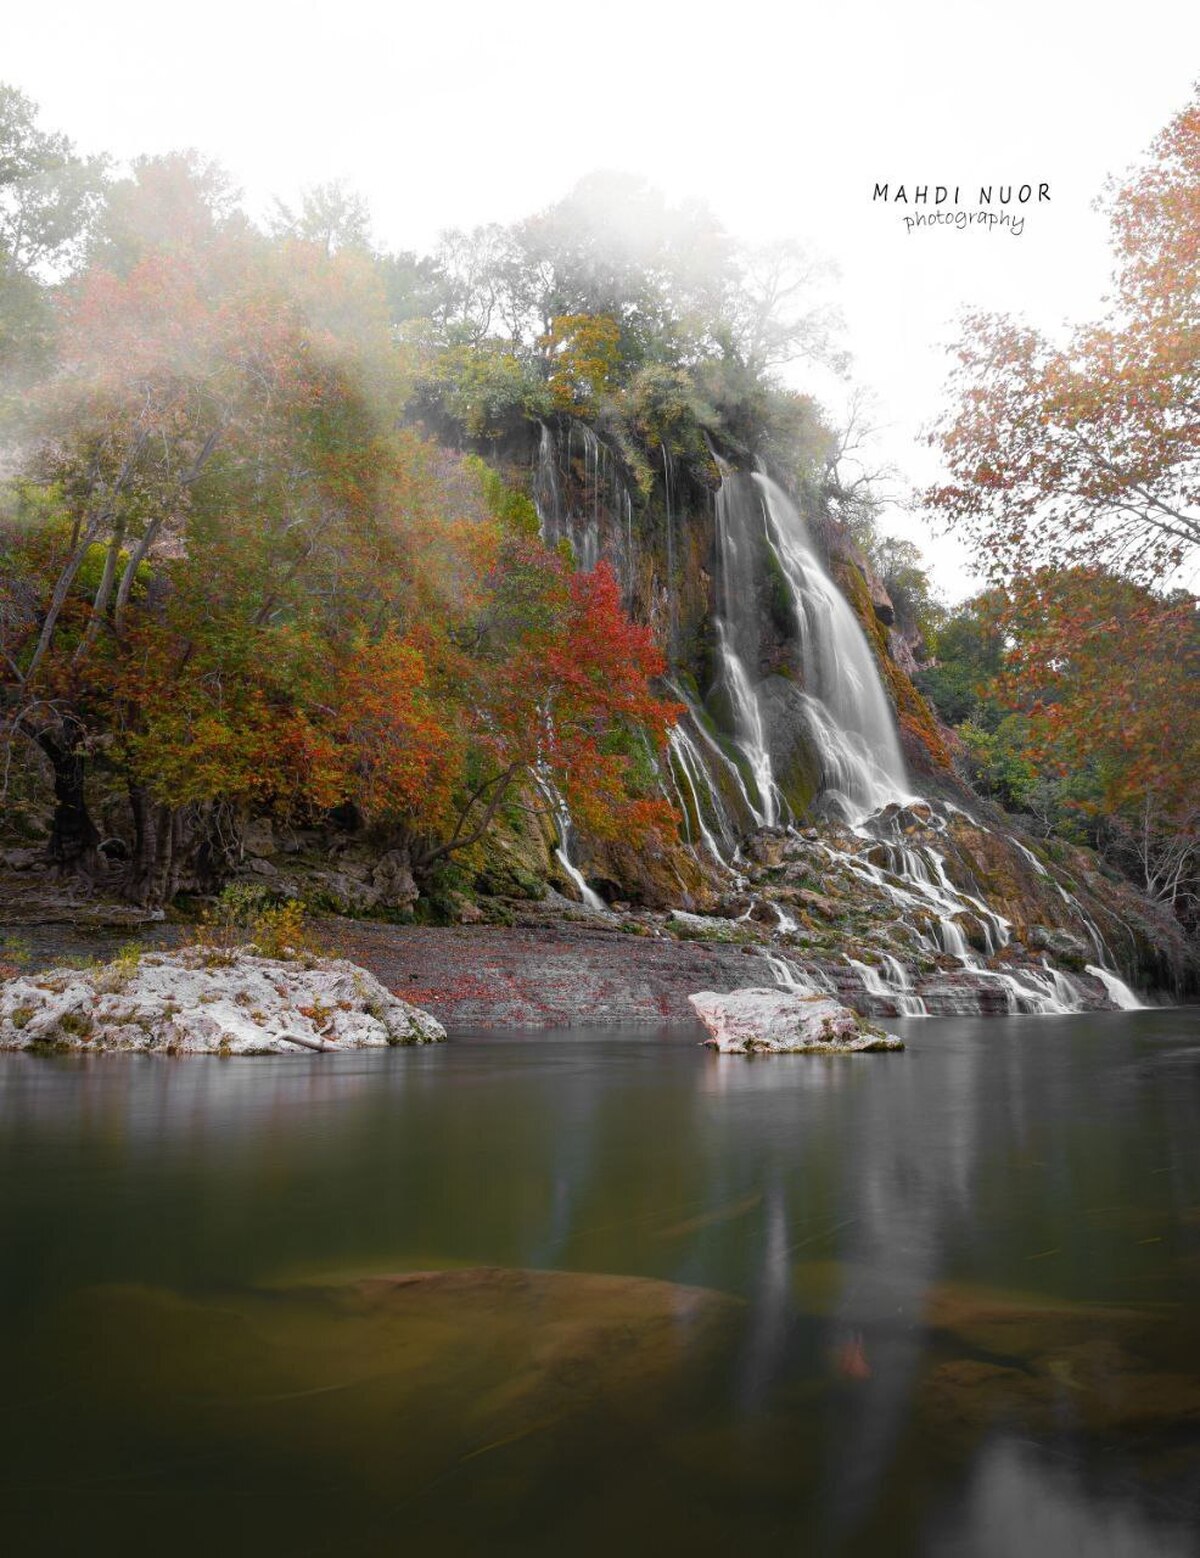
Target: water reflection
1019,1501
861,1287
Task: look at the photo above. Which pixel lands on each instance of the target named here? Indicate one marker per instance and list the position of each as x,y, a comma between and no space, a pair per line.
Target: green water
644,1298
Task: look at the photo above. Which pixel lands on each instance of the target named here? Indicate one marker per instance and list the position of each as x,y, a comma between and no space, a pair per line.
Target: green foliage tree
330,215
49,196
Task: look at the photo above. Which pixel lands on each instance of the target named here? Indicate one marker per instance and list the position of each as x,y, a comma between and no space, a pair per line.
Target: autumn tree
237,584
179,203
206,471
1089,453
552,679
582,356
1104,673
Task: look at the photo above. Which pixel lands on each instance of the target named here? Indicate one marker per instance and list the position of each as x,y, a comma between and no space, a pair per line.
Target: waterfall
547,495
670,556
762,537
750,732
919,881
864,765
566,828
800,981
896,988
1118,991
581,496
910,1004
794,672
685,760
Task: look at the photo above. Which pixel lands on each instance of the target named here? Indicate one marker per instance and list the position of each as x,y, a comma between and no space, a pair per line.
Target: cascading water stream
685,760
849,711
750,733
566,828
1118,991
896,988
760,533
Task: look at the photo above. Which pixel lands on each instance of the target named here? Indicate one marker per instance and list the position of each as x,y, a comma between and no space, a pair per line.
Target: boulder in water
209,1000
768,1021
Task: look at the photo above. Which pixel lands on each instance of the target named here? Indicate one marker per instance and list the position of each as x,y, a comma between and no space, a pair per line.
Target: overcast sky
782,118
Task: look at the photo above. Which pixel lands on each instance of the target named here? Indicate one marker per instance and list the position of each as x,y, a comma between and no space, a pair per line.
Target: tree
48,193
330,215
582,354
1089,454
202,428
180,203
771,316
233,582
48,199
967,646
551,679
1105,671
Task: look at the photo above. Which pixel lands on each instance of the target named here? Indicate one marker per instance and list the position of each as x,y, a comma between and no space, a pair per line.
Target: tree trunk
153,849
74,838
141,860
178,849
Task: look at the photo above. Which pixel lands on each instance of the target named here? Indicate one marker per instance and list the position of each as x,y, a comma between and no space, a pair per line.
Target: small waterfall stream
566,831
1119,992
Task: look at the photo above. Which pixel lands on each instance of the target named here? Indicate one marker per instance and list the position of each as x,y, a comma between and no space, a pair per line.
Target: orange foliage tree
237,584
1089,453
583,352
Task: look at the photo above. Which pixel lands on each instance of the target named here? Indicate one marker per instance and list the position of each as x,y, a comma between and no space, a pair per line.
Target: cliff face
662,541
767,739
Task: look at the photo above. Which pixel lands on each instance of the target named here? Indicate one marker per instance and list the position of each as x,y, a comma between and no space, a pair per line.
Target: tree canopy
1089,453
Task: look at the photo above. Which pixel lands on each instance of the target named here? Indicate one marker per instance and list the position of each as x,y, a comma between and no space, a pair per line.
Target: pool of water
588,1292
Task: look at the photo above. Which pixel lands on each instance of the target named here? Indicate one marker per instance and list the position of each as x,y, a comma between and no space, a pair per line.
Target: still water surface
642,1297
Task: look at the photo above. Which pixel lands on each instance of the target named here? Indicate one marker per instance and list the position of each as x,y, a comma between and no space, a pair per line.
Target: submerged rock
384,1384
779,1021
209,1000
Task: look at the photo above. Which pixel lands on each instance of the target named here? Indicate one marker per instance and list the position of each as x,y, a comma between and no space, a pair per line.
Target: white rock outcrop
779,1021
206,1000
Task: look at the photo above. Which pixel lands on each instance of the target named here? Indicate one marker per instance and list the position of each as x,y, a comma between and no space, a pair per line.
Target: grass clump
245,912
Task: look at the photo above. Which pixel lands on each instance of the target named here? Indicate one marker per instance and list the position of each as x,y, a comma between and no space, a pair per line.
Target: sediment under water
580,1292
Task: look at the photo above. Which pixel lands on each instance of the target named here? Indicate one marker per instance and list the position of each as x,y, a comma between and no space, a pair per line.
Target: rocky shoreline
923,910
550,972
543,974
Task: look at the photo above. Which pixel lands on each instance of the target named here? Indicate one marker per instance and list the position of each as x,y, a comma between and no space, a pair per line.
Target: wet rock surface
544,975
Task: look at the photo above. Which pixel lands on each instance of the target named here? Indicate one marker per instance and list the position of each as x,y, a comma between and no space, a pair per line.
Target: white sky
781,118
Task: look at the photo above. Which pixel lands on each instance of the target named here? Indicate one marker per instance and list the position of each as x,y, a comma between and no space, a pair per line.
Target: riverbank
553,973
557,971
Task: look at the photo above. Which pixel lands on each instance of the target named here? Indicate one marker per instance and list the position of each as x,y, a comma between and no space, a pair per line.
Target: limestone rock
778,1021
207,1000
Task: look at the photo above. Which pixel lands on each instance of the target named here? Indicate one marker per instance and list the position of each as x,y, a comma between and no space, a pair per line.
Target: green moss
778,594
799,779
77,1024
